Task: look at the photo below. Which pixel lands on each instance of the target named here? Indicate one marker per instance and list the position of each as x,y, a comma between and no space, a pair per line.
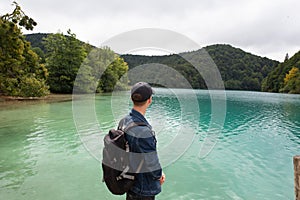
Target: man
142,142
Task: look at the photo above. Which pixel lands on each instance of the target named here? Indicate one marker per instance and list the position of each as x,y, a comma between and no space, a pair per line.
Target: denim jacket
142,143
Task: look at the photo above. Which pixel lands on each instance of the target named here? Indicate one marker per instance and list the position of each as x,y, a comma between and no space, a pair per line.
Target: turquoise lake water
239,145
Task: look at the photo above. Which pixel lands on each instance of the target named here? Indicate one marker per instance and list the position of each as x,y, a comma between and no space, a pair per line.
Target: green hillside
285,77
36,40
239,70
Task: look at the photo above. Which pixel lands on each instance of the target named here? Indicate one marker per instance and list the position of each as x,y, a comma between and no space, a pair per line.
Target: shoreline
10,101
50,97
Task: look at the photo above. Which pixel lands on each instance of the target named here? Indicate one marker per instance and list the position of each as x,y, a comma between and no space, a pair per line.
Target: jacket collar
138,115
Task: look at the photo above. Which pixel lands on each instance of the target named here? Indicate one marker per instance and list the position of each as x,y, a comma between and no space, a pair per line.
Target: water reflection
30,134
19,132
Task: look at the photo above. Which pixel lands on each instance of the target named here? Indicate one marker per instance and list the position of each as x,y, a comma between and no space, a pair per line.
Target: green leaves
21,74
74,66
292,81
114,76
64,56
101,71
285,77
18,17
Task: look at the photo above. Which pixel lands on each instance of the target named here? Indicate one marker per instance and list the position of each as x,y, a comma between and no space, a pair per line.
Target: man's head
140,93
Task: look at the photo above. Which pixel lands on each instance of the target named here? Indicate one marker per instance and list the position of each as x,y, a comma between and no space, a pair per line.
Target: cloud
269,28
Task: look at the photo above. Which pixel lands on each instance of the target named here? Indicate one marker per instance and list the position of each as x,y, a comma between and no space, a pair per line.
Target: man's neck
140,109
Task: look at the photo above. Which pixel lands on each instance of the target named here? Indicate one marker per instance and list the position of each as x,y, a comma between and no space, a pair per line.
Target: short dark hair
141,92
138,103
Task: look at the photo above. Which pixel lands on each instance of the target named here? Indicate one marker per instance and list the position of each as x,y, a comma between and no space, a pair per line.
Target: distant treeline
239,70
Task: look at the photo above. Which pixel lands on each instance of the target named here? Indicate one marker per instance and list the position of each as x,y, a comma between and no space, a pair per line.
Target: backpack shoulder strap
134,124
124,128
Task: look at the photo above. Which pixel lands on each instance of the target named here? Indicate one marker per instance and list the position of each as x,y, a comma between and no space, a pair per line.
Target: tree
21,74
87,80
102,71
19,17
40,53
280,79
113,76
292,74
292,81
71,69
286,57
64,56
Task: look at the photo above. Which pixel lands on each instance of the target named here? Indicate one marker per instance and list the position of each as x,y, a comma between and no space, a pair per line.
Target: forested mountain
239,70
36,40
285,77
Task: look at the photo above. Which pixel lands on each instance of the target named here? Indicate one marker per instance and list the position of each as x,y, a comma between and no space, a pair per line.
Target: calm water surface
42,155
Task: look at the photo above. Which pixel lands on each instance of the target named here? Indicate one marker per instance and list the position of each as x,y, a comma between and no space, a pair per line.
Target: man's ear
150,100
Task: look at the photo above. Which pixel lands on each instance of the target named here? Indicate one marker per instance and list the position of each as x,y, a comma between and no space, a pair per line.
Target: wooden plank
297,176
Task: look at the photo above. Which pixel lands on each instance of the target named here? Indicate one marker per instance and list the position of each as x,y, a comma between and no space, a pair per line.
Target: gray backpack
115,162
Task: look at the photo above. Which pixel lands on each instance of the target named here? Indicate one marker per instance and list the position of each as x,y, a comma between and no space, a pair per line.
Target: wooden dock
297,176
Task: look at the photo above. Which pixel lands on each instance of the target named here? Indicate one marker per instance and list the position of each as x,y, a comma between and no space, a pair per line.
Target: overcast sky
269,28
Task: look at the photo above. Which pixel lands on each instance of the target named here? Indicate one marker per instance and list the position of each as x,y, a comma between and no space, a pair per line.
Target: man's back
142,143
